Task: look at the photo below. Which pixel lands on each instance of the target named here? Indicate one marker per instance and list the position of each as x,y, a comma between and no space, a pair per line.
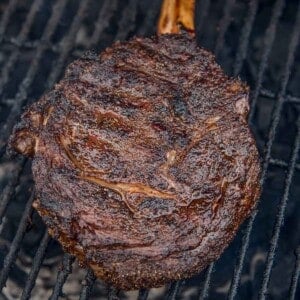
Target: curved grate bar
241,258
37,261
244,39
62,276
87,285
8,191
20,39
68,44
15,245
174,290
105,14
21,95
268,42
295,276
6,16
127,22
223,26
205,290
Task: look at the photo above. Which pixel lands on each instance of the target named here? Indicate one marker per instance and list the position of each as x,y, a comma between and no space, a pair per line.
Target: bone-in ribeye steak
143,161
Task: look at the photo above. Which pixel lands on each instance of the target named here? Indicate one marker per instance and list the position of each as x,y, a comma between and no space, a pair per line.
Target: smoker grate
256,29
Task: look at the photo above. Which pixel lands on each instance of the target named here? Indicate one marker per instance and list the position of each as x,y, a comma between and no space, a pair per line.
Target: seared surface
143,161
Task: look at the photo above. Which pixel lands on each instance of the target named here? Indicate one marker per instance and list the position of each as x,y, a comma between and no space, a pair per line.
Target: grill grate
110,25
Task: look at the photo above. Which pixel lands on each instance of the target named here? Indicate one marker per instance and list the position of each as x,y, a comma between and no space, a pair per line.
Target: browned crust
144,166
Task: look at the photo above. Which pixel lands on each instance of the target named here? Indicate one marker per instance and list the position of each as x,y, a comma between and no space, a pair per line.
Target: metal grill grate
237,25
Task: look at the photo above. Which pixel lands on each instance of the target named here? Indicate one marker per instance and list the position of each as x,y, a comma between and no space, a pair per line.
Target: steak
143,162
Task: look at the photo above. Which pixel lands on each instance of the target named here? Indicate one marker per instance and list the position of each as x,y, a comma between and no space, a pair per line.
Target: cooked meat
143,162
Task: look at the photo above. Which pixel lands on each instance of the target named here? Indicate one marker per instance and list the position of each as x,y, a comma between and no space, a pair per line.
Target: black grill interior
257,40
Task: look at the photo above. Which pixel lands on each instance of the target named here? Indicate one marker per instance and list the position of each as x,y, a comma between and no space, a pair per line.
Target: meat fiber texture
143,162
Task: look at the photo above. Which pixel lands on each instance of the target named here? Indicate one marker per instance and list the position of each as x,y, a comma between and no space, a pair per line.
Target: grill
257,40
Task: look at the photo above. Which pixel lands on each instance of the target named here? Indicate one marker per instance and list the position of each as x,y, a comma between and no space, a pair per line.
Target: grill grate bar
244,39
68,43
127,22
10,188
280,216
6,16
205,290
286,76
268,43
276,117
112,293
105,14
224,24
282,164
62,276
289,98
87,288
21,95
174,290
87,285
143,294
277,227
21,38
295,276
69,40
37,261
241,258
15,245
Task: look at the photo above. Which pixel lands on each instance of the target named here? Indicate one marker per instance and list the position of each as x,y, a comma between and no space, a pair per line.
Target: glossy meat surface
143,161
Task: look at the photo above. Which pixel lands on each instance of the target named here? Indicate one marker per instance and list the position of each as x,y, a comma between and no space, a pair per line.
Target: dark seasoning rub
143,162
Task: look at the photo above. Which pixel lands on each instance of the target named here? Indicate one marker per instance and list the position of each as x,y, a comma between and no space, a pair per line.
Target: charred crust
145,166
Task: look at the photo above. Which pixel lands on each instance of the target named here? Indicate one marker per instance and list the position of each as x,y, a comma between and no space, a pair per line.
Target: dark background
270,67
